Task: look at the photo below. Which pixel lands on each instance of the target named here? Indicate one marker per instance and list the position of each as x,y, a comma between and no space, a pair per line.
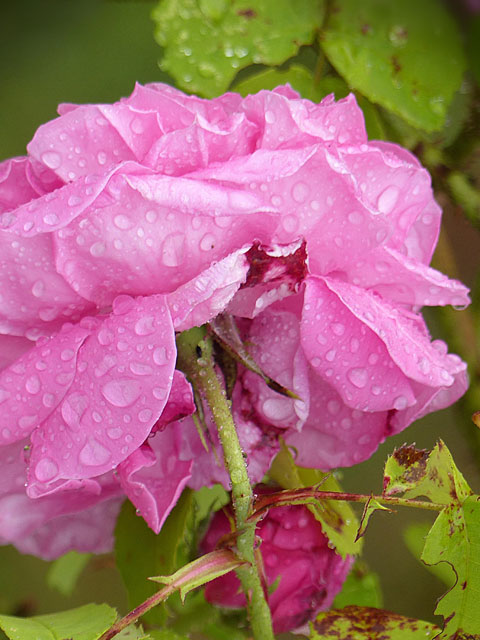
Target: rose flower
127,223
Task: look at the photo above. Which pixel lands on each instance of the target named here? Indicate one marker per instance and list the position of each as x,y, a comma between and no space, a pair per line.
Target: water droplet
333,407
388,199
38,288
123,222
50,219
26,422
97,249
145,326
52,159
4,395
94,453
67,354
358,376
151,216
355,217
140,369
105,337
137,126
114,433
346,423
300,192
121,392
48,399
101,157
269,117
159,393
97,417
160,356
46,470
33,384
173,250
277,408
145,415
400,403
207,243
338,328
330,355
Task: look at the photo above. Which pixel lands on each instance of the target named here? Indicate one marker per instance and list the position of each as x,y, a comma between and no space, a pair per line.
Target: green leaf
371,506
416,472
466,194
85,623
406,56
299,78
164,634
338,520
198,572
65,571
141,553
367,623
361,588
414,536
206,42
455,539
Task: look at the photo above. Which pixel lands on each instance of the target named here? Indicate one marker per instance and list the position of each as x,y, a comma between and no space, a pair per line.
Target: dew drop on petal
33,385
358,376
97,249
123,222
52,159
145,415
160,356
145,326
46,470
400,403
121,392
94,453
173,250
388,199
38,288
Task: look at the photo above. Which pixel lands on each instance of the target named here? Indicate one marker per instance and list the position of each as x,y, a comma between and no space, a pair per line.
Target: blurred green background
94,51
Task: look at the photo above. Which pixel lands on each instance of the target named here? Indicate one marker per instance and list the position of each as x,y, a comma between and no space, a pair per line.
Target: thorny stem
309,494
196,361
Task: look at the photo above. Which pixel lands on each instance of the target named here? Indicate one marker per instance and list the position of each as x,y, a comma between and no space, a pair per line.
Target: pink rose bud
303,572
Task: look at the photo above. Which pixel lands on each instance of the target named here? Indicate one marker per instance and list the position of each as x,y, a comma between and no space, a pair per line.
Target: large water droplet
173,250
160,356
33,384
97,249
338,328
300,192
46,469
105,337
388,199
145,415
145,326
94,453
123,222
140,369
38,288
207,243
52,159
122,304
277,408
358,376
121,392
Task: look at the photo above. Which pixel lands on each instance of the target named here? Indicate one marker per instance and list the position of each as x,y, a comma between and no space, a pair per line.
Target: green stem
309,494
195,359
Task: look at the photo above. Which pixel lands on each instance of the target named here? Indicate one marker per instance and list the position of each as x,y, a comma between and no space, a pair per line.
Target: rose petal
398,278
123,377
153,478
51,526
207,295
32,386
344,348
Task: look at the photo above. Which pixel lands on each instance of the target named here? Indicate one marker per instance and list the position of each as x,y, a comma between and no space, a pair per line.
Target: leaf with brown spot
455,539
434,475
367,623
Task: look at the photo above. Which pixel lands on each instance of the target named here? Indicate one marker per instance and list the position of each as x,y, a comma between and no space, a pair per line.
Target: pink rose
305,572
129,222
